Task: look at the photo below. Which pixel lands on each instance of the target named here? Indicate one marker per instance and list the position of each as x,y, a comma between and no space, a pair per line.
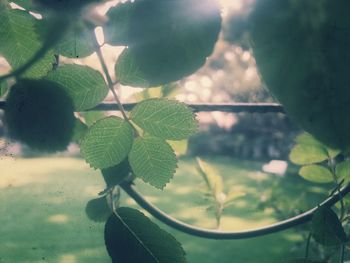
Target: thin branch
307,246
108,76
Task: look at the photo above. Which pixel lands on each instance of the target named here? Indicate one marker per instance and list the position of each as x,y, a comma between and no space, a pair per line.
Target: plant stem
110,83
342,206
307,246
108,76
342,250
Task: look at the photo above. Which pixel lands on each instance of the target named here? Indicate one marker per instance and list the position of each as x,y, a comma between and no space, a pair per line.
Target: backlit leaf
85,85
316,174
107,142
153,160
167,119
307,154
131,237
167,40
19,42
343,171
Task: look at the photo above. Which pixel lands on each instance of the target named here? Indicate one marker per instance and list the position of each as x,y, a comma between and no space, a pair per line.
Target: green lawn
43,220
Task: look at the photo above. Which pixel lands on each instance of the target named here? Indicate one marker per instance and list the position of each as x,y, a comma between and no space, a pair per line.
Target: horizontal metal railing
131,190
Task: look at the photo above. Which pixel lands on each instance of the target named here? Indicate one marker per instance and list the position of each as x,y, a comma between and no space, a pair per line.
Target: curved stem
213,234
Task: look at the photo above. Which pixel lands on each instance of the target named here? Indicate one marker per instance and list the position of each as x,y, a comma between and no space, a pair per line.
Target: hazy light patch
68,258
99,35
206,82
276,167
58,219
92,190
183,190
236,223
191,85
15,6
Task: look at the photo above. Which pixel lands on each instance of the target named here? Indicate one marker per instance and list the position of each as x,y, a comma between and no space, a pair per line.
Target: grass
43,219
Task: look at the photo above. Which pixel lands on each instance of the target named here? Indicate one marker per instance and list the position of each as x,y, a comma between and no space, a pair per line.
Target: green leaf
131,237
308,139
153,160
3,88
77,42
305,66
107,142
343,171
98,209
85,85
116,174
90,117
308,154
19,42
327,228
79,131
316,174
167,119
40,114
128,72
117,27
167,40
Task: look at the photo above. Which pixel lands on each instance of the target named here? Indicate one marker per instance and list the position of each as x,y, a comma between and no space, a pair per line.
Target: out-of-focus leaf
327,228
180,147
316,174
308,154
3,88
343,171
131,237
79,131
211,176
98,209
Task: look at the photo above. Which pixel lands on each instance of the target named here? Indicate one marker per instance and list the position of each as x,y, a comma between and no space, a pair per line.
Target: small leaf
211,176
308,154
327,228
128,72
19,42
343,171
79,131
131,237
107,142
85,85
179,147
40,114
77,42
98,210
316,174
3,88
232,196
153,160
116,174
167,119
116,29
